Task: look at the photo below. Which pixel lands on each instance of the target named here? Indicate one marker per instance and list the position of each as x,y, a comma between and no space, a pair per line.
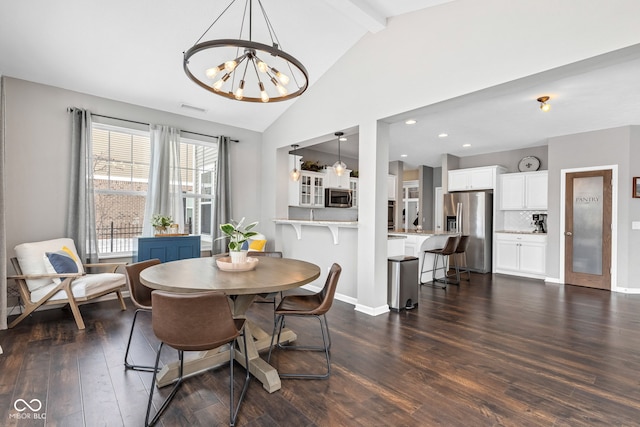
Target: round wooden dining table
270,276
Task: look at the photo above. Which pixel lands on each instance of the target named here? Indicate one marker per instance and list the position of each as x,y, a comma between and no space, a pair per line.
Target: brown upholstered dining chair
440,254
195,322
316,305
141,298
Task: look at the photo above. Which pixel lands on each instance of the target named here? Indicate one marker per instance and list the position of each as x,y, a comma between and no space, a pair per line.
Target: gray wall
38,151
619,147
508,159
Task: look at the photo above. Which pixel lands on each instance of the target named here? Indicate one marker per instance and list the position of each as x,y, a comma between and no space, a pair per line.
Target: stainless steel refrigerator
471,213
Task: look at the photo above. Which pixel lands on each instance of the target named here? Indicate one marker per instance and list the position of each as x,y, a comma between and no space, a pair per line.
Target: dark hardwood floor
498,351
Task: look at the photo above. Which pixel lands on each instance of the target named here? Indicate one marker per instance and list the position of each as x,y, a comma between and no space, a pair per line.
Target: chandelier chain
214,22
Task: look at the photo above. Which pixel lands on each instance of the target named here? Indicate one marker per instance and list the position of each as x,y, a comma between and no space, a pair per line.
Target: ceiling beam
360,12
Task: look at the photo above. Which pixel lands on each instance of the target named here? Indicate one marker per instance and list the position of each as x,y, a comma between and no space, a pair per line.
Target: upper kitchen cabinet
391,187
308,191
483,178
524,191
332,180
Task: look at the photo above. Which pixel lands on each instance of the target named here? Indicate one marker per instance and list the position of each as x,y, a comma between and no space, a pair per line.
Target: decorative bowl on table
225,264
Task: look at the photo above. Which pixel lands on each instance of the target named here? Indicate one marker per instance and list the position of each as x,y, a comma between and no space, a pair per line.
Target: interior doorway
588,228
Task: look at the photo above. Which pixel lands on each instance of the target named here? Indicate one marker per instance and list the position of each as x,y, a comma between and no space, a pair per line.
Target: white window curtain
164,194
81,220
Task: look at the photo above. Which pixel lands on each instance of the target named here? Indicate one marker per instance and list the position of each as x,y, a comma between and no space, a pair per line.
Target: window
121,159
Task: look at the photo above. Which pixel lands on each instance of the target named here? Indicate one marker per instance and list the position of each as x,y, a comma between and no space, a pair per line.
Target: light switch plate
635,225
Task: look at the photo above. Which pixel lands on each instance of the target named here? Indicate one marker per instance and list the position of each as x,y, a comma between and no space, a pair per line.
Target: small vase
238,257
160,230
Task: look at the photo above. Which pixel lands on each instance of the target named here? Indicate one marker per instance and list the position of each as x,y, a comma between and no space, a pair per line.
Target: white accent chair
40,283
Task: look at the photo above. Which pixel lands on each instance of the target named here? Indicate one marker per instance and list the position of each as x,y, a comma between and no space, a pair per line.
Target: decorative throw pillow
257,245
60,262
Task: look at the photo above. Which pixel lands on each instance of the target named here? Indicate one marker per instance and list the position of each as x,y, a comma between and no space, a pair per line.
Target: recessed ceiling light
343,138
410,122
443,135
403,155
466,145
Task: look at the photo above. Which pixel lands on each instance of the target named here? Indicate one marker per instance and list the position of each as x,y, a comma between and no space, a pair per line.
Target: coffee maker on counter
540,221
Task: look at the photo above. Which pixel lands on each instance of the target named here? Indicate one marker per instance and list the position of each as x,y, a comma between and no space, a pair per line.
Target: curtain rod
147,124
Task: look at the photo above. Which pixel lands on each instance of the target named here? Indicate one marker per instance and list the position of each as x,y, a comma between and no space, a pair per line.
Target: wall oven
337,198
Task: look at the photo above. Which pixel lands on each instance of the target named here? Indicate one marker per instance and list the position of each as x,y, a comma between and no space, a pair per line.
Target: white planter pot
238,257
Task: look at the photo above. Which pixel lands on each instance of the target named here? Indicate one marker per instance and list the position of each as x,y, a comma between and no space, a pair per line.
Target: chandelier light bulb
339,167
264,96
217,85
229,66
213,71
240,91
262,66
281,89
284,79
294,174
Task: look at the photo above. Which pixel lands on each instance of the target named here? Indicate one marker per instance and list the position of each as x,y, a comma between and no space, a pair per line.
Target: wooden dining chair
197,321
141,298
316,305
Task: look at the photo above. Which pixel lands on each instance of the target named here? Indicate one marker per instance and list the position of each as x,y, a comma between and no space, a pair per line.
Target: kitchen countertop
419,233
520,232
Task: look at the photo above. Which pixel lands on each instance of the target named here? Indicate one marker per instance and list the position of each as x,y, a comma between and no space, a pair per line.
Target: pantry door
587,234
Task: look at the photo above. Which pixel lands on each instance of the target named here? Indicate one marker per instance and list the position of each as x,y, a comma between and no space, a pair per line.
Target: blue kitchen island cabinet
169,248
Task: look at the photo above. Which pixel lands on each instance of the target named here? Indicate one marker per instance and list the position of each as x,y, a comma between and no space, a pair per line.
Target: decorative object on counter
295,173
311,166
355,174
238,234
244,62
226,264
339,166
161,222
528,164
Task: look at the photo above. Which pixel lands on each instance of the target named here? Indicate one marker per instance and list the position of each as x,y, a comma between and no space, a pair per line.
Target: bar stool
440,253
461,252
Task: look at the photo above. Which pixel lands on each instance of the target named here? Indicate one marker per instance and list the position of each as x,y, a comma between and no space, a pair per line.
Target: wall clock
529,163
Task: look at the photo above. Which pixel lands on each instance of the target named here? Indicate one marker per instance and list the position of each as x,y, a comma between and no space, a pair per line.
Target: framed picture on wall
636,187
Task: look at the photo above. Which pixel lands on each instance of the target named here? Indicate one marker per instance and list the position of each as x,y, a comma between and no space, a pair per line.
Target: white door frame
614,218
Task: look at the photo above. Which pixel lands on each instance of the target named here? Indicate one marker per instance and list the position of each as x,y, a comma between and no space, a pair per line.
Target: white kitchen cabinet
332,180
521,254
391,186
523,191
308,191
483,178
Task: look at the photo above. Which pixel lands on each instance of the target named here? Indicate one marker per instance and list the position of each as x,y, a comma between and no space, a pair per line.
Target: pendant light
295,173
339,166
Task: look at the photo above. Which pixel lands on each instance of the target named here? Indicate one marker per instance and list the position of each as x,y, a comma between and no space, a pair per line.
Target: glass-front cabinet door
318,191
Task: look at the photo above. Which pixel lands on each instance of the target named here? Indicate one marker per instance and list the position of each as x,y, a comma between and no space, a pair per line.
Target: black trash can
402,292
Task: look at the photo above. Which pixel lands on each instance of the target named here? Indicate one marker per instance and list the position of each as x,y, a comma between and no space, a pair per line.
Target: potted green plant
161,222
237,234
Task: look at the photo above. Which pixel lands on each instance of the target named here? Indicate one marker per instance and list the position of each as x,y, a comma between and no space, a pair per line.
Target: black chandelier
243,69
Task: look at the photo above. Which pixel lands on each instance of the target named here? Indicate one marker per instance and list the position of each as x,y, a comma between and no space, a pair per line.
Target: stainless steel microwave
337,198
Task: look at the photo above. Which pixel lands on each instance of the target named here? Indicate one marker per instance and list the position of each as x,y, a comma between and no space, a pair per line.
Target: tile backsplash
519,220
